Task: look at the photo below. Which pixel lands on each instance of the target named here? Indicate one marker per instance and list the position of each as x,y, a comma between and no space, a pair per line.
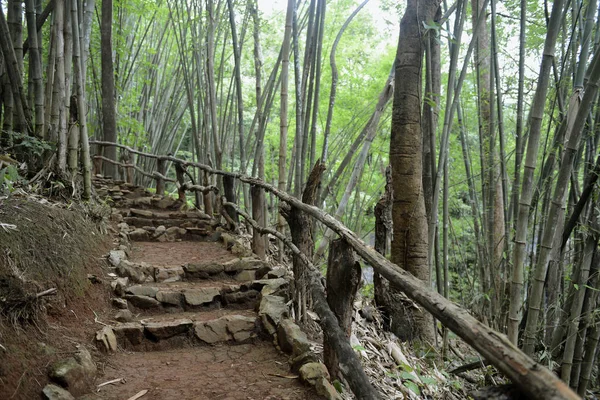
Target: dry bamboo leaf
138,395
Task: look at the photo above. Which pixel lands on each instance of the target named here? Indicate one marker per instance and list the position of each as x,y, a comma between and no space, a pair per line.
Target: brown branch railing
532,378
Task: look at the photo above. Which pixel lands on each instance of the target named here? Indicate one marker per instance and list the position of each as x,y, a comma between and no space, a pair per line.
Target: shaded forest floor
46,245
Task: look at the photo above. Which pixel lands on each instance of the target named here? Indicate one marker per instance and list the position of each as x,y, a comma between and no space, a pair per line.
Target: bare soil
51,247
240,372
178,253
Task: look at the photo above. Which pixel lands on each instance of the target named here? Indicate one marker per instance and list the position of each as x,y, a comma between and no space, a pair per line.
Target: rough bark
409,245
343,281
259,241
161,166
301,228
229,190
383,231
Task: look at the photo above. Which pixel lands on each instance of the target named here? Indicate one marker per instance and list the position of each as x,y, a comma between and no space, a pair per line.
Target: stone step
139,222
118,190
172,234
202,295
158,213
239,269
181,330
195,295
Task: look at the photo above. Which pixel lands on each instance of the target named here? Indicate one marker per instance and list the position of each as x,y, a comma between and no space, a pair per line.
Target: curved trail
194,332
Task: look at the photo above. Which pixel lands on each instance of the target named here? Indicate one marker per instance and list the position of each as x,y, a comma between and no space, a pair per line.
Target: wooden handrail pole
160,182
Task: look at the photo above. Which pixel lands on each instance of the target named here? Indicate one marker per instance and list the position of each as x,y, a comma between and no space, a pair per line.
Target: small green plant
31,145
9,175
367,290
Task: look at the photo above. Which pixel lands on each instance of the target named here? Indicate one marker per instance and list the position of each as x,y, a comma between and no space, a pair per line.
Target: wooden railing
533,379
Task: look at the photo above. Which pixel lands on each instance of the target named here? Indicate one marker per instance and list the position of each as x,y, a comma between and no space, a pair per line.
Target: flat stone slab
271,310
132,332
134,272
230,327
170,297
213,331
141,213
291,338
140,290
241,327
203,269
214,268
168,274
200,296
167,329
54,392
244,263
245,276
144,302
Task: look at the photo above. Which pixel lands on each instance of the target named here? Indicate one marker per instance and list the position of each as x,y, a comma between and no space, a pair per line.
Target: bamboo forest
299,199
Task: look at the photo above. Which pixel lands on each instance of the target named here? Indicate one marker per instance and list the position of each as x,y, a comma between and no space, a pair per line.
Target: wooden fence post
383,228
259,241
97,161
301,226
160,182
179,174
343,280
128,157
207,196
229,189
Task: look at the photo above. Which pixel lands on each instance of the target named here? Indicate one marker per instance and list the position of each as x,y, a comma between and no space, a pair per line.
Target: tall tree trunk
109,118
283,117
409,246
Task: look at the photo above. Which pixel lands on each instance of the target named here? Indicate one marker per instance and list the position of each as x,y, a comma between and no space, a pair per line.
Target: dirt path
194,332
246,371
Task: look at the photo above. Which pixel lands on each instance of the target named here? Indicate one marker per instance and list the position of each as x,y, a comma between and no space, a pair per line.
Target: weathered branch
46,292
469,367
534,379
198,188
138,169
